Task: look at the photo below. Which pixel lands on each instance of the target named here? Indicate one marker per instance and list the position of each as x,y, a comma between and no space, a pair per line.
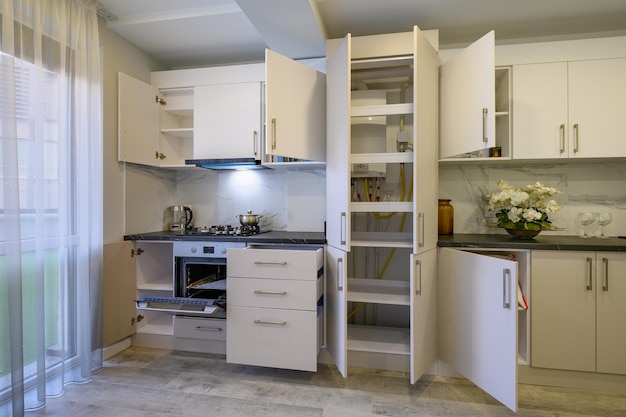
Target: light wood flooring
158,383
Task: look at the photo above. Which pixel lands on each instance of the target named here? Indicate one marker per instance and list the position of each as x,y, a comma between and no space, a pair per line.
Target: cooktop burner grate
227,230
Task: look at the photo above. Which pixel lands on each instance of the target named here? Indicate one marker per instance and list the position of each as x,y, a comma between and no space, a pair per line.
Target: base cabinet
579,302
274,307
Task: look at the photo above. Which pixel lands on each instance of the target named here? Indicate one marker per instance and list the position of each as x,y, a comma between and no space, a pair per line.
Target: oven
200,273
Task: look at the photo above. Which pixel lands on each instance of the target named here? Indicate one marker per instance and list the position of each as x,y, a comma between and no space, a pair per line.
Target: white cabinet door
425,92
611,310
295,109
423,313
563,310
467,99
478,320
540,122
336,306
597,108
337,143
227,121
138,121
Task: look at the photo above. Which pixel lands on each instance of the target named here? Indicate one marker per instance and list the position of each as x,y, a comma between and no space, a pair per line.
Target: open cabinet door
423,313
467,97
478,320
295,109
338,144
336,308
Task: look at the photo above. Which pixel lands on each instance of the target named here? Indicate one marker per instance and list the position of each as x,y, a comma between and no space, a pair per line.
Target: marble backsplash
586,186
295,199
291,200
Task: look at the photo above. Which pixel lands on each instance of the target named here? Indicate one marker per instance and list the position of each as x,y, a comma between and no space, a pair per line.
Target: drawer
271,337
273,293
299,264
200,328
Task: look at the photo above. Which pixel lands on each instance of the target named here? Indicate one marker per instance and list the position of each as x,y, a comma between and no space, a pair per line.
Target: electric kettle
180,218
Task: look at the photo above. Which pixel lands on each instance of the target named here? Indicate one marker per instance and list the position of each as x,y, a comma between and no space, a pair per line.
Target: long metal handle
275,323
342,227
562,138
209,329
485,138
254,139
575,137
274,133
605,286
422,223
270,262
589,274
339,274
263,292
506,291
418,289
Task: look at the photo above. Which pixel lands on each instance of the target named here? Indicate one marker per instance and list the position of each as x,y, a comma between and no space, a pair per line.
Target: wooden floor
159,383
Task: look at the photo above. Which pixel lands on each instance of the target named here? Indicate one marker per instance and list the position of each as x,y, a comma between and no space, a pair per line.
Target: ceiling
196,33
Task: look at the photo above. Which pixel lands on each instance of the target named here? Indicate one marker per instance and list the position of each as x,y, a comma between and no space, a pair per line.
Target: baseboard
112,350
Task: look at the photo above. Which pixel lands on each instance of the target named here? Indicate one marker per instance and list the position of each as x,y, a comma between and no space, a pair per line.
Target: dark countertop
545,241
300,238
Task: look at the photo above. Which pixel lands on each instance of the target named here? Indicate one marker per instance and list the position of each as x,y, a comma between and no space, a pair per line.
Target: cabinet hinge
134,252
161,101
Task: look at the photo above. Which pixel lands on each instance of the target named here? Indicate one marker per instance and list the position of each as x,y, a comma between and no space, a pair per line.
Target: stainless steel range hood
227,163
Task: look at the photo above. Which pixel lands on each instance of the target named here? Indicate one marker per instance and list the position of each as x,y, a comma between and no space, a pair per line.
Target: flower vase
523,233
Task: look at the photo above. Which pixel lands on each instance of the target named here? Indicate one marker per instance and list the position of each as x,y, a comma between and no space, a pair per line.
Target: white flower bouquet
525,208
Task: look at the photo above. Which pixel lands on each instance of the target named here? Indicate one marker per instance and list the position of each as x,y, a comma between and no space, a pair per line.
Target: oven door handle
270,262
263,292
209,329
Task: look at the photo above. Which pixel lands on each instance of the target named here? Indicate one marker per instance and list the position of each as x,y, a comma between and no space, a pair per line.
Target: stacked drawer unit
274,306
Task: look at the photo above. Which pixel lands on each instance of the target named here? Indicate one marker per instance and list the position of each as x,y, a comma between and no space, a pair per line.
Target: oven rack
177,304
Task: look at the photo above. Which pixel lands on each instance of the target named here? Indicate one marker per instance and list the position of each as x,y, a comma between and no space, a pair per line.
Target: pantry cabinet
381,200
483,317
569,109
579,302
275,306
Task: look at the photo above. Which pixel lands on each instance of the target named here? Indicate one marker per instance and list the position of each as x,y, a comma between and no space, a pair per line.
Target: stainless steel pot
249,219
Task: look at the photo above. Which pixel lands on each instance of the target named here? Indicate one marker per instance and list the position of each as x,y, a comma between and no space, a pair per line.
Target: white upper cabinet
295,103
569,109
597,108
155,126
540,116
467,100
228,121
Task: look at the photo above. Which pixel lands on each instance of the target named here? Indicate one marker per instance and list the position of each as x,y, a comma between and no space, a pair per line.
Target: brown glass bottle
446,217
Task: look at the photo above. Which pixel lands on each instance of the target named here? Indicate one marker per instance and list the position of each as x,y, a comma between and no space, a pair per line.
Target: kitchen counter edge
278,237
541,242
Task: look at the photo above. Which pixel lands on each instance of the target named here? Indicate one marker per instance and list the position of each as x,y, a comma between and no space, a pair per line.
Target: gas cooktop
225,230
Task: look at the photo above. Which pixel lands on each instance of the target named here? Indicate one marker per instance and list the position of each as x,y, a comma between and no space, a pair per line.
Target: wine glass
585,219
604,219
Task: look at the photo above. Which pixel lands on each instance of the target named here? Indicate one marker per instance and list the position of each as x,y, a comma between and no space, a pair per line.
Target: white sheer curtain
50,199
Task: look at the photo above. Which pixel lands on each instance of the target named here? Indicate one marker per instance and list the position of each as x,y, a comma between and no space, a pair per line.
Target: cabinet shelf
381,207
182,132
379,291
163,325
382,110
382,239
377,339
382,158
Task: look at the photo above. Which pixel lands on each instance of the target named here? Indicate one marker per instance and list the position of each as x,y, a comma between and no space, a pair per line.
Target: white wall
586,187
